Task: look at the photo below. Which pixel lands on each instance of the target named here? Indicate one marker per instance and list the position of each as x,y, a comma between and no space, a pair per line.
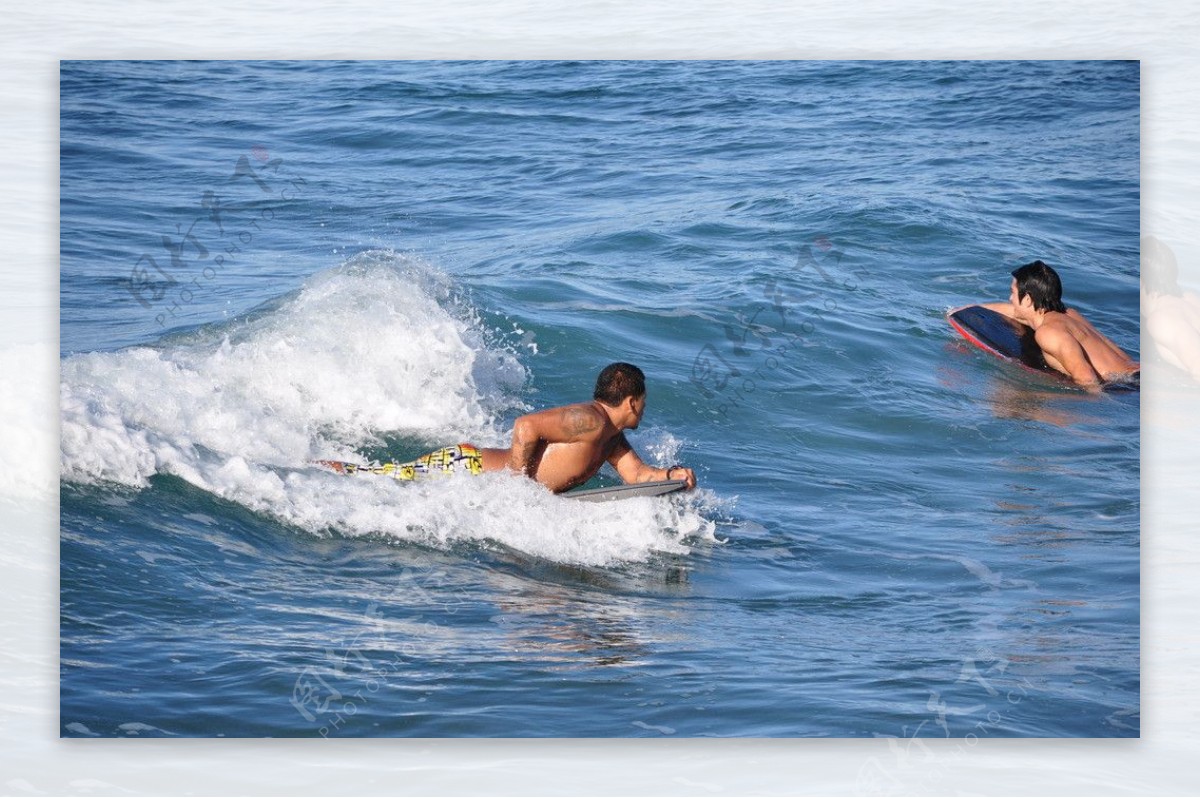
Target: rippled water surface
895,535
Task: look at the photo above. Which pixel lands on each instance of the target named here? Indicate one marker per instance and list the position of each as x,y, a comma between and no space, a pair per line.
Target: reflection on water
1028,403
576,617
568,633
1013,394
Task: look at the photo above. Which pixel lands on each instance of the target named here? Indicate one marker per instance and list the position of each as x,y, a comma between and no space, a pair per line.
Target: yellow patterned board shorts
463,458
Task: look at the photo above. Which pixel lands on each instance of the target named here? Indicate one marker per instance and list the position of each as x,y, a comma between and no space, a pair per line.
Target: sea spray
375,346
381,347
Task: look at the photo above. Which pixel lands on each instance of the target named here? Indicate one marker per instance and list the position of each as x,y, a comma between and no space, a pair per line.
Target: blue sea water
895,535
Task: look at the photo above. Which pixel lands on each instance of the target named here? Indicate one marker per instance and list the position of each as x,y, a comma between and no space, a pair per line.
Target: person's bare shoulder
1053,332
1077,325
564,424
1058,341
583,419
1057,330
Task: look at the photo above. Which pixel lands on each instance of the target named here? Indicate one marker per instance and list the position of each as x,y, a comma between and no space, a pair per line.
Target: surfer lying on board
1068,341
561,447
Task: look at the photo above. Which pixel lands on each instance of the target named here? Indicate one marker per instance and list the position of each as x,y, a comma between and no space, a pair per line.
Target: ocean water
894,534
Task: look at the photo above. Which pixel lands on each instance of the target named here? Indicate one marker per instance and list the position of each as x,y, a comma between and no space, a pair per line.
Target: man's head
1039,284
621,384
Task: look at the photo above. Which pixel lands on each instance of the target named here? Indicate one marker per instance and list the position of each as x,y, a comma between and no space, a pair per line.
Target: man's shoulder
1054,332
575,407
583,417
1072,314
583,407
1066,320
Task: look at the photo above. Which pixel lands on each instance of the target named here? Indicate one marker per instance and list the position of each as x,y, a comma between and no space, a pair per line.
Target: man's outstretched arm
1003,308
631,469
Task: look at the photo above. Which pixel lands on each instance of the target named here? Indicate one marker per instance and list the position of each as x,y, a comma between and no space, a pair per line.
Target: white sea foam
515,512
381,345
377,345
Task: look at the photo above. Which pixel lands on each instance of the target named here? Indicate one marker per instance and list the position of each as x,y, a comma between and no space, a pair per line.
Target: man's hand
632,470
681,472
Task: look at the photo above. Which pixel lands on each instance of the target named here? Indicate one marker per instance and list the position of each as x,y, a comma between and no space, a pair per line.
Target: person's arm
1003,308
631,469
557,425
1063,347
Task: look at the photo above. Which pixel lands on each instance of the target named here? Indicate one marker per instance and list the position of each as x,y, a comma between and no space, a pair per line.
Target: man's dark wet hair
1039,282
619,381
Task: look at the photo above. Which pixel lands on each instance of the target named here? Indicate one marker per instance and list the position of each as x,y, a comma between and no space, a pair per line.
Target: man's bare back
565,446
561,447
1068,341
1061,334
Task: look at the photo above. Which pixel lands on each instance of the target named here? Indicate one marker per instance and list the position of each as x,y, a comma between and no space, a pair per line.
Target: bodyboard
628,491
1001,336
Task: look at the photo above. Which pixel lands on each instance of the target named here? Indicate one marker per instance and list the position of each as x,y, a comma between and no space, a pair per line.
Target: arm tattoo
580,422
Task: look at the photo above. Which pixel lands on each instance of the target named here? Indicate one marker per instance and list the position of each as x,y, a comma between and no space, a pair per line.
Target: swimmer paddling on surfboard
1042,333
561,447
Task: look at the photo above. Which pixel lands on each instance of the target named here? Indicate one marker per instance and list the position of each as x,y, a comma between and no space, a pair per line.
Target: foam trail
499,507
380,345
374,346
